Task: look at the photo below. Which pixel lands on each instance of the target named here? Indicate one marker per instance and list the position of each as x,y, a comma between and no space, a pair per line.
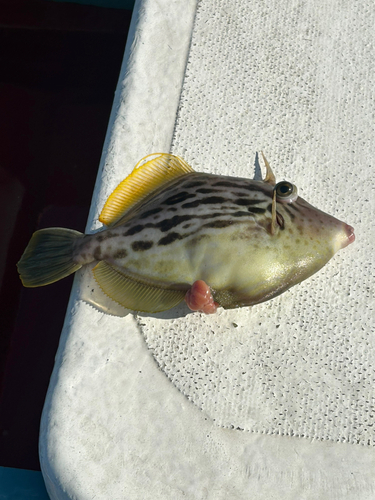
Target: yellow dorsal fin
149,175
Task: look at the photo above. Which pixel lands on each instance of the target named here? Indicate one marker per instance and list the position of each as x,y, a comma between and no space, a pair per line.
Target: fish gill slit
279,218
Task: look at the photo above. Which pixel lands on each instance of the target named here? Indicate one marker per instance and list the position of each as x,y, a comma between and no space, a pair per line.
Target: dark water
59,69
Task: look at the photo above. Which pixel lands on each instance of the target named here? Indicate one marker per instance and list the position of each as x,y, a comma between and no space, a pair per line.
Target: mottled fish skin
218,229
174,233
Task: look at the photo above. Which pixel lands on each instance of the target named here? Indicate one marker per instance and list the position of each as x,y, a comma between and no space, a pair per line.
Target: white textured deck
275,401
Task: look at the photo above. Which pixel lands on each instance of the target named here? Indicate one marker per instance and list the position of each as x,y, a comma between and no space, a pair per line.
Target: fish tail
48,257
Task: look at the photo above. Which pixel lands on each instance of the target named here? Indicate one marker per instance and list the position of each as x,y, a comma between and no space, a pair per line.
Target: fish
170,229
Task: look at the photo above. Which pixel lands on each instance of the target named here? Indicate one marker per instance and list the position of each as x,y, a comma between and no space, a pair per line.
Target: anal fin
134,293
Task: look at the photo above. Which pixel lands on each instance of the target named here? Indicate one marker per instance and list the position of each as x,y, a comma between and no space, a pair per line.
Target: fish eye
286,192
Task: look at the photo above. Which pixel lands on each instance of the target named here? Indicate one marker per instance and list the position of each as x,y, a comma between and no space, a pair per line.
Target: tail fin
48,257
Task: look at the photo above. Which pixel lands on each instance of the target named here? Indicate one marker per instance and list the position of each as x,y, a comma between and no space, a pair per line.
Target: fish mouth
350,236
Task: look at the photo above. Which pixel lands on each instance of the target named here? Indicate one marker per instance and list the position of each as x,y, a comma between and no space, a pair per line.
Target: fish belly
226,261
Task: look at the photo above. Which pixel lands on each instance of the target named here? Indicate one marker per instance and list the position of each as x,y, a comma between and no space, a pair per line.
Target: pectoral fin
134,293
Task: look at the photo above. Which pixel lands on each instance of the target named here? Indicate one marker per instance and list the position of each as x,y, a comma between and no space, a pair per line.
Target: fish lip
350,236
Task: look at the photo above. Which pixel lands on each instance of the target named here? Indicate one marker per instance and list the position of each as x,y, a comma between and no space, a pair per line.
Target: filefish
173,233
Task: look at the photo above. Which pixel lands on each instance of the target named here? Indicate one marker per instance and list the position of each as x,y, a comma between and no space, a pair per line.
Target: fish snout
350,236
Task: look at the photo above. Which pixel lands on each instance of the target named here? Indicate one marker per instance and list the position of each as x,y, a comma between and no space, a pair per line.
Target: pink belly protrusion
199,298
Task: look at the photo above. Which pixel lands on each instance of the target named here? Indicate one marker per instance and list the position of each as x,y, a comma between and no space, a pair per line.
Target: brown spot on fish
148,213
194,184
240,214
134,230
219,224
141,245
168,224
211,200
256,210
97,253
206,190
105,235
170,238
227,184
179,198
246,202
120,254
